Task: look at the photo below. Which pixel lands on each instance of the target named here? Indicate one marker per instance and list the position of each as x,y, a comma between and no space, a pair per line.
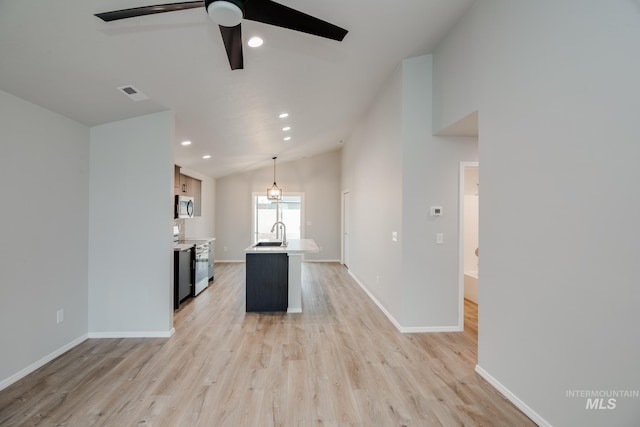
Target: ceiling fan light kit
225,13
228,14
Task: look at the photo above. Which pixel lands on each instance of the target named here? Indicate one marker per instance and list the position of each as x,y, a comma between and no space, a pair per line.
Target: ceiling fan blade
232,37
270,12
147,10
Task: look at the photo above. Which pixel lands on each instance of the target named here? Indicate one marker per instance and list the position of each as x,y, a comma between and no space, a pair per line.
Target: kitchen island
263,271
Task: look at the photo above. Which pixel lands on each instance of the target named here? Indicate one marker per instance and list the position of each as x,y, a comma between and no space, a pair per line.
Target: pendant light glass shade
275,192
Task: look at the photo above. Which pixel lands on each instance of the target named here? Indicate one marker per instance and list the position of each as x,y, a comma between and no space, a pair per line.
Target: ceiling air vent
133,93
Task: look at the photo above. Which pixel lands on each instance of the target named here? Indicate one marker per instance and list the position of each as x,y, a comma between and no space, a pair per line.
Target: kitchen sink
268,244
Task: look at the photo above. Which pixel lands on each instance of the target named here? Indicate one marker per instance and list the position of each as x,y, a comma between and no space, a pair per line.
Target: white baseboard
294,310
322,260
513,398
430,329
405,330
48,358
133,334
375,300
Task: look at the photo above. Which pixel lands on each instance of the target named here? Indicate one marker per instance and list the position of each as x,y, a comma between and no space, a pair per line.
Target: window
267,212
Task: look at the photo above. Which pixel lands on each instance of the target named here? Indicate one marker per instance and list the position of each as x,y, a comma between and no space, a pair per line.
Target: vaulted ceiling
57,54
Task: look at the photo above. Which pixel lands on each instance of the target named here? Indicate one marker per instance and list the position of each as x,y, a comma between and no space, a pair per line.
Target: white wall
395,170
131,215
44,163
318,177
557,93
455,73
372,172
470,216
430,169
202,226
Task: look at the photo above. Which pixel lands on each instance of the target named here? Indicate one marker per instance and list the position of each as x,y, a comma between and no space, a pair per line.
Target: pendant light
274,193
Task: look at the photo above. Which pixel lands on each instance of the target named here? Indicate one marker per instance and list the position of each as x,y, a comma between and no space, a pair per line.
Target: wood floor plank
339,363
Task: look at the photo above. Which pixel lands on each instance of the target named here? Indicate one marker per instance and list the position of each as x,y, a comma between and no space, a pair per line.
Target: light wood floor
340,363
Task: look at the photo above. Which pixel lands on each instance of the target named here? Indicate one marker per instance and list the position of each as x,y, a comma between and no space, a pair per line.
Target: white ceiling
58,55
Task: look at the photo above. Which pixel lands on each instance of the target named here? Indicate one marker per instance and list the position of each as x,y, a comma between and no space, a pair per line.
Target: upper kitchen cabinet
196,187
189,186
176,180
185,185
186,189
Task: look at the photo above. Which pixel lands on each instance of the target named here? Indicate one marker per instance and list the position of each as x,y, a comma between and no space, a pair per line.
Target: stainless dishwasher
202,267
201,264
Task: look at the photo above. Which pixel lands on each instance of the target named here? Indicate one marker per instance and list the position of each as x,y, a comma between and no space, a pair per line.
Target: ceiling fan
229,13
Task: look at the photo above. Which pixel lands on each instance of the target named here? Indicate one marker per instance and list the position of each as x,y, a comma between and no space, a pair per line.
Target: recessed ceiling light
206,157
255,42
288,138
283,115
185,143
286,128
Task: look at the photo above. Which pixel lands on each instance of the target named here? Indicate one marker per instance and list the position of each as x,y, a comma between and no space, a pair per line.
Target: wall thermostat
436,210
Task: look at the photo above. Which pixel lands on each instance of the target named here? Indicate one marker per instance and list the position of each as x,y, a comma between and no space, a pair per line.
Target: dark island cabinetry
267,282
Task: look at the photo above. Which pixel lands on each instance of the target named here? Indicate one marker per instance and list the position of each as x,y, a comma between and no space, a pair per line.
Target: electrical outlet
439,238
59,316
377,280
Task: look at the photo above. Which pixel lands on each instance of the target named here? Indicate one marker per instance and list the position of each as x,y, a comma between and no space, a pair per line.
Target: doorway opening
469,255
289,210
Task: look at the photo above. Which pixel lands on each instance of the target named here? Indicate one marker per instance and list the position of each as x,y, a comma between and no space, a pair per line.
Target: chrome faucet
284,232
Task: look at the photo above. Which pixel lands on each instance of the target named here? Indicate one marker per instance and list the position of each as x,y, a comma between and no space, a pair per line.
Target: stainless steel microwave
184,207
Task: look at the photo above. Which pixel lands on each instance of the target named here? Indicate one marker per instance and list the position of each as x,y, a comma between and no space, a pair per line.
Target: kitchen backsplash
180,223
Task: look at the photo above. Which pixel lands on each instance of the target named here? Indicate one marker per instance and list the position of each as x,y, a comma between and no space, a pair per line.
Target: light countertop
295,246
185,244
182,247
198,240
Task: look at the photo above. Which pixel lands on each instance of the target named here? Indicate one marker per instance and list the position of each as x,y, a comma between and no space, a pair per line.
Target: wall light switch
394,236
439,238
436,210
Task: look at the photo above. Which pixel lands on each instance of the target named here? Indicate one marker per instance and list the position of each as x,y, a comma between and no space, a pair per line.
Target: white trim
133,334
48,358
430,329
375,300
322,260
294,310
461,241
535,417
220,261
402,329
